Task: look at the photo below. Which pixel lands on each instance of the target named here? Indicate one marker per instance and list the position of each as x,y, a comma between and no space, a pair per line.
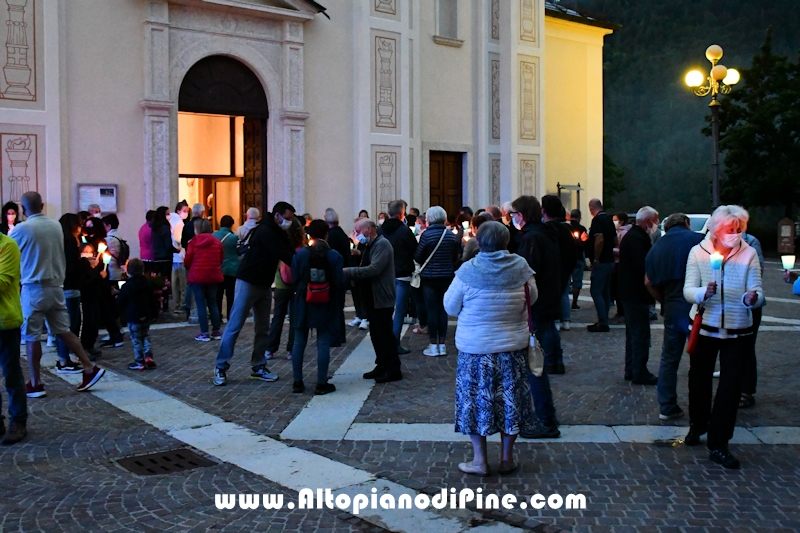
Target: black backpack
319,287
243,245
124,252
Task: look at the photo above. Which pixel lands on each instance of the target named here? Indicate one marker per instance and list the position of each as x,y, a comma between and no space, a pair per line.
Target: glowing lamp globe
695,78
714,53
719,72
732,78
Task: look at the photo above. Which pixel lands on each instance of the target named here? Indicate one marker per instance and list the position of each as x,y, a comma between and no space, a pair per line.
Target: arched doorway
222,138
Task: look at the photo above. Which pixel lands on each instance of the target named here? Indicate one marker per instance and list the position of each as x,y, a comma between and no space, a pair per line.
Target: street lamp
720,81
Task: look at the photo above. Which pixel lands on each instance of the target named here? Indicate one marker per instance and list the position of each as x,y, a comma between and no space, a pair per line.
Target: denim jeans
637,340
259,299
541,392
419,306
601,291
402,290
323,353
283,306
433,290
566,311
206,296
676,331
12,372
140,338
74,310
577,273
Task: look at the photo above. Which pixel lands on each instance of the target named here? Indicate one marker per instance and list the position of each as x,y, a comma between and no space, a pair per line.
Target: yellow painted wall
573,101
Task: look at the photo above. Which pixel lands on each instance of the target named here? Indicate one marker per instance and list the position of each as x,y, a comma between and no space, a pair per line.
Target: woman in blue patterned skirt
492,390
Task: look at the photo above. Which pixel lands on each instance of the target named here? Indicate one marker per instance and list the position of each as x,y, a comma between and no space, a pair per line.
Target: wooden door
446,181
254,182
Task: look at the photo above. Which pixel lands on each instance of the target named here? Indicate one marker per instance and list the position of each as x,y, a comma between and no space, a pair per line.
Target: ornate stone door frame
268,40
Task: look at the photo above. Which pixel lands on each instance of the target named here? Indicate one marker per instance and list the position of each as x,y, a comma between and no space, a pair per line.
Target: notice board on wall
103,195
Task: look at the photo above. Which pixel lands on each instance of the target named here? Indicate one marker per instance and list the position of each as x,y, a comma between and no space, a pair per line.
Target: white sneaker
267,355
442,349
355,322
409,320
565,326
557,323
432,350
106,338
364,324
51,341
716,374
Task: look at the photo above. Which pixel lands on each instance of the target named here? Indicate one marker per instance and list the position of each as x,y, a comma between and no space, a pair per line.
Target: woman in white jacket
492,390
728,294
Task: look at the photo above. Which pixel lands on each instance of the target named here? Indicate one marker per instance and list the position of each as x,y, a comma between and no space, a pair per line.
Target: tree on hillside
760,133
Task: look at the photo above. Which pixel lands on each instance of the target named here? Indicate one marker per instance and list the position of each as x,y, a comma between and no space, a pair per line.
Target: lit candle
455,231
788,261
106,258
575,234
465,225
716,261
101,247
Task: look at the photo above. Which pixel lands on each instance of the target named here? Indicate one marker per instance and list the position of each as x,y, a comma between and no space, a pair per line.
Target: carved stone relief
385,97
495,18
18,81
20,174
386,173
386,6
527,21
185,17
528,100
495,99
495,171
527,174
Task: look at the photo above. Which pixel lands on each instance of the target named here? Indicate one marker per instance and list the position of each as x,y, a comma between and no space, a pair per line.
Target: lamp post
720,81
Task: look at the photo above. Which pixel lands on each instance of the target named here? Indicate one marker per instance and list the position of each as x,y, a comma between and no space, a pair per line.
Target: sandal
746,400
469,468
419,330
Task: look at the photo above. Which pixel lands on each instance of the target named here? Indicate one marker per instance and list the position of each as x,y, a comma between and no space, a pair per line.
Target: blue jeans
566,312
637,340
323,353
74,310
433,290
577,273
548,336
676,331
283,306
601,291
541,392
401,291
247,296
140,338
205,294
12,372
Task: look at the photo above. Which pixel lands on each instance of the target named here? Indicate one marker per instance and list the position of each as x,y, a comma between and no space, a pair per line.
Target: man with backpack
267,245
320,283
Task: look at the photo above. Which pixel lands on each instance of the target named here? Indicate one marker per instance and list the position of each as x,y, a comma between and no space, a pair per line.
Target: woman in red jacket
203,262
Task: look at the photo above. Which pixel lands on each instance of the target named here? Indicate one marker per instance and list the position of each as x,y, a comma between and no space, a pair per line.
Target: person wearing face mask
382,218
729,294
636,298
181,296
375,276
505,217
10,218
269,244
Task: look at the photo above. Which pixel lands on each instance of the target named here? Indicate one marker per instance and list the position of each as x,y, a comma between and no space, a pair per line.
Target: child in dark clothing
134,305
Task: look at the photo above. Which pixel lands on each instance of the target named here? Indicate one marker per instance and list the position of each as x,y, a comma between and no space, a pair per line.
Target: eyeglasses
512,213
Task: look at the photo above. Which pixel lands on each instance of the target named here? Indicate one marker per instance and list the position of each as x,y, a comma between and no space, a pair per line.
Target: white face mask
616,224
381,221
518,222
184,215
285,224
730,240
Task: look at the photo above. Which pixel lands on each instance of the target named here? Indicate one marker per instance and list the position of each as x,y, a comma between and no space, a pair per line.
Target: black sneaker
650,380
575,307
597,328
220,378
70,367
540,431
372,374
551,369
675,412
15,433
111,344
560,369
136,365
402,350
298,387
388,377
324,388
724,458
693,437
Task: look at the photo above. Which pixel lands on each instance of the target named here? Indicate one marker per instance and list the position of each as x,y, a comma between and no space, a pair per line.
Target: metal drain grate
164,462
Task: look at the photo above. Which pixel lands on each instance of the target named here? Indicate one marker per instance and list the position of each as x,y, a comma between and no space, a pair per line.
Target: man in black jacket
339,241
269,244
404,245
538,245
632,291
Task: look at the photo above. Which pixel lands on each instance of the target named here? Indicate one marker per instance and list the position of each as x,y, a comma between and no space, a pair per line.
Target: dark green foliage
653,121
613,179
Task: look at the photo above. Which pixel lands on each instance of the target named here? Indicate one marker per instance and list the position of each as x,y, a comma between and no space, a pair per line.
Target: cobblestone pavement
64,478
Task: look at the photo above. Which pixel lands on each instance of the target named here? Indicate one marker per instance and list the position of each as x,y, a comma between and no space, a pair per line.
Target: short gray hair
492,236
363,223
644,214
436,215
198,210
395,208
253,213
506,208
725,214
331,216
675,219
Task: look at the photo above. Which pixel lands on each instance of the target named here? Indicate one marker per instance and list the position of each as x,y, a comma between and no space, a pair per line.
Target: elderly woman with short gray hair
438,252
723,276
492,389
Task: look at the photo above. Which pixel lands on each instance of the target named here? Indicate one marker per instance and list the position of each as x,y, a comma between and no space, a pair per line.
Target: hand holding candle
788,261
101,247
106,258
716,261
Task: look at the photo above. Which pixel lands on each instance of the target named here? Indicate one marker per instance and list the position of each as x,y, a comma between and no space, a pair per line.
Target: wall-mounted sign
103,195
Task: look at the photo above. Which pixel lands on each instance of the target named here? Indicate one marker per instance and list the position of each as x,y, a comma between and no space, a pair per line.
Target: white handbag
535,352
415,278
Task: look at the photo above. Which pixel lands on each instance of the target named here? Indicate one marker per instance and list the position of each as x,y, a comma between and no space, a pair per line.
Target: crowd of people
503,271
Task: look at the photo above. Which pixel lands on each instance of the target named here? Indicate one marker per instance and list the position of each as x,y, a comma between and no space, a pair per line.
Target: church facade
239,103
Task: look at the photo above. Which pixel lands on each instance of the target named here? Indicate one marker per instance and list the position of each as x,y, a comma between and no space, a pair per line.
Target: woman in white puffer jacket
728,295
